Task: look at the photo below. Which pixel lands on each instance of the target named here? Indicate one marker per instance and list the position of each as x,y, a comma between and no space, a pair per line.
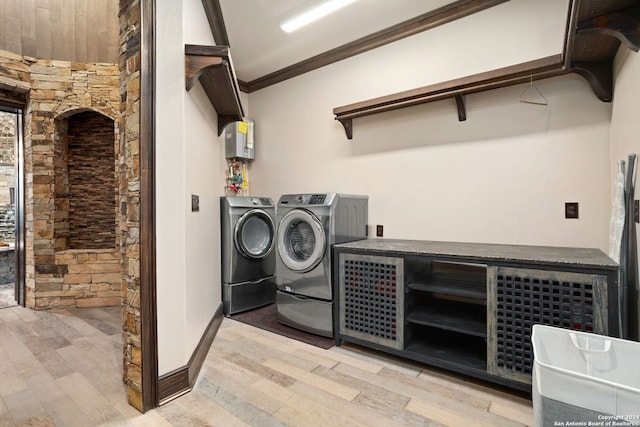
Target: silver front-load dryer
248,233
308,225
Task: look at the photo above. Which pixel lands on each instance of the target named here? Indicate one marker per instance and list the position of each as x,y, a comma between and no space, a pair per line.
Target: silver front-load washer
248,234
308,225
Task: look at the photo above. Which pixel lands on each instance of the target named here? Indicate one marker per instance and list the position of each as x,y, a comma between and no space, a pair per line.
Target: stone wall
129,185
56,91
91,174
91,279
59,90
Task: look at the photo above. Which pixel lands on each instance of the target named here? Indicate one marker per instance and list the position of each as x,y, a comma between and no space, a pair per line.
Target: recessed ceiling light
313,14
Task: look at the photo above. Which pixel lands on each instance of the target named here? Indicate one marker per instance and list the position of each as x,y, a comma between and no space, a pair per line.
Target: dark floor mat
266,318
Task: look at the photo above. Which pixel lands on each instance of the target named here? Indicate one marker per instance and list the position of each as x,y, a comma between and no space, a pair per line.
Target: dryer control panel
307,199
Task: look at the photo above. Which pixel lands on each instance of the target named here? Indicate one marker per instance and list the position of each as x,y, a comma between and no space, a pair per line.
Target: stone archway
80,224
62,276
85,185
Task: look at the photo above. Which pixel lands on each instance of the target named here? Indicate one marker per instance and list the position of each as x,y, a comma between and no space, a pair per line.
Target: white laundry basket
584,379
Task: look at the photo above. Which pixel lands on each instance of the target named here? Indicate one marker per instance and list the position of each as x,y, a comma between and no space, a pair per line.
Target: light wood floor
63,368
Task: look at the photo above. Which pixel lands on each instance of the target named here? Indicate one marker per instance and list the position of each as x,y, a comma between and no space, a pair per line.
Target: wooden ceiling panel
67,30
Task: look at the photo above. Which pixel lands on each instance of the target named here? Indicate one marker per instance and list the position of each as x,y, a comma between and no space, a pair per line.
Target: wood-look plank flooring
63,368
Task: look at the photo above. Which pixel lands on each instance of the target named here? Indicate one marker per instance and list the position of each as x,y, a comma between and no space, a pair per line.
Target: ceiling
260,47
263,54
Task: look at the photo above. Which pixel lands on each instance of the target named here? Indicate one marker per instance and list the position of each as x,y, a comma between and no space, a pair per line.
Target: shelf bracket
599,77
212,66
347,124
623,24
461,103
196,65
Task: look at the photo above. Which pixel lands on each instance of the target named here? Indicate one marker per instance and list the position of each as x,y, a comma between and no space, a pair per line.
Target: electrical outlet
195,203
636,211
571,210
379,230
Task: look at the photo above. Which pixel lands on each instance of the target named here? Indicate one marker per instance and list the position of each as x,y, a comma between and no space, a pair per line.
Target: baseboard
180,381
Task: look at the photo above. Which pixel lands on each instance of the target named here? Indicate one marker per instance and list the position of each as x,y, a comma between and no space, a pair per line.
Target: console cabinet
469,307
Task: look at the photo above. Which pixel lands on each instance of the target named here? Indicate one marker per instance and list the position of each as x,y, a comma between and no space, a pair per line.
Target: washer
248,252
308,225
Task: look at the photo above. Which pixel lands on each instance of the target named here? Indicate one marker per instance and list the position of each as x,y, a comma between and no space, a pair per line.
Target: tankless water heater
238,140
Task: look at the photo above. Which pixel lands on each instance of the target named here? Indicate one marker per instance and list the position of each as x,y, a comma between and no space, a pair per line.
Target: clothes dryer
248,235
308,225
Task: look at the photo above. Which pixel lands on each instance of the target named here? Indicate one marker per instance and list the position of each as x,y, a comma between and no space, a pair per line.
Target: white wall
502,176
189,161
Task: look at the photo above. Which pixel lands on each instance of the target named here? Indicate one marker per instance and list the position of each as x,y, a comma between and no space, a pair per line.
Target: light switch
195,203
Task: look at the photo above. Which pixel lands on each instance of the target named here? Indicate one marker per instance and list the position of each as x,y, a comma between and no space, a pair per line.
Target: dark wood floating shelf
590,45
457,89
213,67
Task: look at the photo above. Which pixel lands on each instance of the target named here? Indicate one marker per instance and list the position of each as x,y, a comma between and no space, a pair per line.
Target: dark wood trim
243,86
173,384
181,380
435,18
148,301
201,350
216,21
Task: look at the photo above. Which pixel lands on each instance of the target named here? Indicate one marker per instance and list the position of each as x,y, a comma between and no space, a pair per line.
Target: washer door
254,234
301,240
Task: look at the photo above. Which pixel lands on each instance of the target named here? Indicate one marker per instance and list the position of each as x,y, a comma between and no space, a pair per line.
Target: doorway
11,208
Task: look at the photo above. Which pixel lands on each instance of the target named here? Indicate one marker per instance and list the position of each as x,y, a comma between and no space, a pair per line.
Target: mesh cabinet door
519,298
371,290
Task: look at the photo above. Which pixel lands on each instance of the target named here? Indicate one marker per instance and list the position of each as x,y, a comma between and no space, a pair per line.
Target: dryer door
254,234
301,240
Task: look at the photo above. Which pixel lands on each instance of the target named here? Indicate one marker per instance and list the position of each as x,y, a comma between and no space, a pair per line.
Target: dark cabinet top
487,253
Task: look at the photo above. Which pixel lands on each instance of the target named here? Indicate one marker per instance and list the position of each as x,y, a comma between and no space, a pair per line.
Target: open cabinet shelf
450,348
212,66
456,317
469,307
